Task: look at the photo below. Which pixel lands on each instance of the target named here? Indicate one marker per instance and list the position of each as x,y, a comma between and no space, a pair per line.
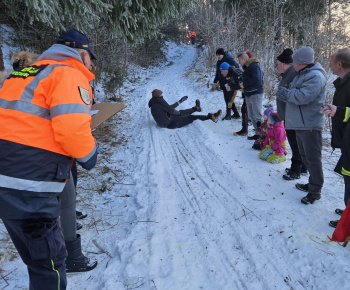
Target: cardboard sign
105,111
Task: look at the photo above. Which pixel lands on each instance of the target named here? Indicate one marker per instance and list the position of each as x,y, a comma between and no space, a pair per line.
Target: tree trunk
2,67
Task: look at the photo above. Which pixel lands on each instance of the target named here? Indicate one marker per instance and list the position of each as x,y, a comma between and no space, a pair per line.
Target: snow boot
254,137
76,261
215,116
198,106
334,223
310,198
235,112
228,115
80,215
339,211
291,175
79,226
241,133
302,187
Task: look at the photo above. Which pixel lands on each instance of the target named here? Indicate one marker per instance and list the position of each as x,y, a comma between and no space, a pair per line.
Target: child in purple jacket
274,150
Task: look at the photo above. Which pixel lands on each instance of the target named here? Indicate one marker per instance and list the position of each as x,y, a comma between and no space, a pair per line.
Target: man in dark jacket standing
166,116
340,66
304,98
253,81
285,67
225,57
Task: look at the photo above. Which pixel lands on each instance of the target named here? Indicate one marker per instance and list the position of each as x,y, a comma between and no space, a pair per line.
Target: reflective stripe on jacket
45,119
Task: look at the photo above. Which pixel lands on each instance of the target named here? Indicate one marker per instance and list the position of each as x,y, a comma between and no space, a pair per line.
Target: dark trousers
67,212
310,149
297,163
186,118
244,116
40,244
228,98
347,189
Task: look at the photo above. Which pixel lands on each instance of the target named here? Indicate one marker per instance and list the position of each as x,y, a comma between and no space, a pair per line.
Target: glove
266,154
183,99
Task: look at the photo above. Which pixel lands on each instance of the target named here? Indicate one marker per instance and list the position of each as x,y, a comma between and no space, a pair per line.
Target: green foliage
112,80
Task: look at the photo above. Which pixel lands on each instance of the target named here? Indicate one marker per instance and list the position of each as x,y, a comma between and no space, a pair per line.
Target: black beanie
220,51
286,56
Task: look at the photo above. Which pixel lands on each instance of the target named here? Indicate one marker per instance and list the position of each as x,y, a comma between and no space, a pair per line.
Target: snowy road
195,207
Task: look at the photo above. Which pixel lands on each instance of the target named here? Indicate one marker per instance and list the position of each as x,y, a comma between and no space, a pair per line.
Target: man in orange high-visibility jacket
193,37
45,120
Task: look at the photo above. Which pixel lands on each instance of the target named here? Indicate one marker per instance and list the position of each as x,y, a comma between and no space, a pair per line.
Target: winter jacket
287,78
263,129
162,112
341,99
276,138
304,98
253,77
45,117
233,78
342,115
218,76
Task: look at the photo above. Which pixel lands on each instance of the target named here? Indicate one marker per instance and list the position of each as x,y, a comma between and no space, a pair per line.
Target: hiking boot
198,106
302,187
254,137
79,226
76,261
339,211
334,223
80,215
241,133
310,198
291,175
215,117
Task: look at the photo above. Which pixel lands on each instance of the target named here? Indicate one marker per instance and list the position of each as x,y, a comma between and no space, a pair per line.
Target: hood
68,55
154,100
252,60
315,67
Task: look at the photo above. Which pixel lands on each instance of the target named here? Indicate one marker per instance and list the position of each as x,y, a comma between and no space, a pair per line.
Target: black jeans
297,163
186,118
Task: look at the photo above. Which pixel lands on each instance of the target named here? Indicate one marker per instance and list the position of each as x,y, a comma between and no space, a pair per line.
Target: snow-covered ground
195,208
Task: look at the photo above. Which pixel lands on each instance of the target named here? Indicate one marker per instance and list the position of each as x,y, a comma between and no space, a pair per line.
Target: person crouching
274,150
166,116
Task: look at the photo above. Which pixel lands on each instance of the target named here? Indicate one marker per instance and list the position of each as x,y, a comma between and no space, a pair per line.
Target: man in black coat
340,66
166,116
225,57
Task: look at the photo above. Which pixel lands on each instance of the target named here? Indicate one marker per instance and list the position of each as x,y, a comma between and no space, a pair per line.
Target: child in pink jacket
274,150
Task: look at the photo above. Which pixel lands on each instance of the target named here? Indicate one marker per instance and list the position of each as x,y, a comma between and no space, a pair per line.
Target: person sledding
274,150
166,116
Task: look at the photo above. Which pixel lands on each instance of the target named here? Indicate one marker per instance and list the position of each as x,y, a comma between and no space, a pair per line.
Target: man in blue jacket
225,57
304,98
253,86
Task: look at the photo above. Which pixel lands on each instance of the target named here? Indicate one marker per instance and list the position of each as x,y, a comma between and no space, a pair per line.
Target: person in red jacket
45,117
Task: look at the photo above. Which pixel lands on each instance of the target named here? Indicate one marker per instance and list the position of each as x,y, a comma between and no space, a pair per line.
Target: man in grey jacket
303,99
285,66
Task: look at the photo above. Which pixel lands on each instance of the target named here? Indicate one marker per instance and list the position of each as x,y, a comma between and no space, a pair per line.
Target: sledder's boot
76,261
291,175
79,226
198,106
334,223
215,116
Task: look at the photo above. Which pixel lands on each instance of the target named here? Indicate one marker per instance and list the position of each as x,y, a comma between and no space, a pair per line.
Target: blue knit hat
224,66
